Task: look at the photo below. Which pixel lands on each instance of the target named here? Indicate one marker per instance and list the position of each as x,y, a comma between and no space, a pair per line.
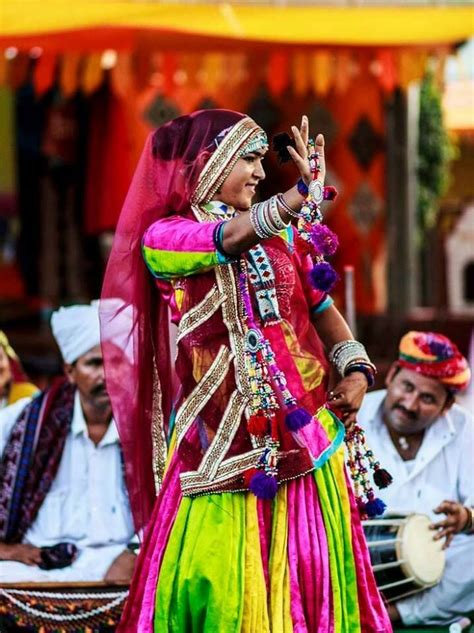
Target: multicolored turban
434,355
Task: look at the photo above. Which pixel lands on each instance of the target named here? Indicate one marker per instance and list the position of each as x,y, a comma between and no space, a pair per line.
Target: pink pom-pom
330,192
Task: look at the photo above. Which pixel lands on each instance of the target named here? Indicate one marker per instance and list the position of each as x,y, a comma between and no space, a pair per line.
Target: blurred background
390,84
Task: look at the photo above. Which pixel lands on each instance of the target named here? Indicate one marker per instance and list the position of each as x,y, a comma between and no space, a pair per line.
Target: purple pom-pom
323,276
263,486
374,507
324,240
297,418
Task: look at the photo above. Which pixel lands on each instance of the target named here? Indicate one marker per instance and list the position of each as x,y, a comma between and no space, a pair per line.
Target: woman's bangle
363,368
286,207
302,188
266,219
349,353
275,215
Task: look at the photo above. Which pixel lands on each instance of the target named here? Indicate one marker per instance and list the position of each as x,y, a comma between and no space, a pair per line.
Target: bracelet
257,222
266,220
302,188
347,353
217,238
272,227
275,215
286,207
363,368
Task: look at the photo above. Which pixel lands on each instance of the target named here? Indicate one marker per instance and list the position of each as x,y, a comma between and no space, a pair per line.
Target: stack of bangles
350,356
266,219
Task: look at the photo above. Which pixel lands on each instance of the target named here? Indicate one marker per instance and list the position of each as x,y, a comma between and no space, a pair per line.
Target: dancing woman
255,527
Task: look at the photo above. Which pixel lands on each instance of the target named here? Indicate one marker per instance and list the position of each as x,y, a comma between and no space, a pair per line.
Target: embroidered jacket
200,285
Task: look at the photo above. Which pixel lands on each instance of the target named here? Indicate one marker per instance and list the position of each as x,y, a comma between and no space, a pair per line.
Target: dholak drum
94,607
405,558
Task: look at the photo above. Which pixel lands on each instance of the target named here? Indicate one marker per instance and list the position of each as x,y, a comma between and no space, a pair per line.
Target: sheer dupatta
133,314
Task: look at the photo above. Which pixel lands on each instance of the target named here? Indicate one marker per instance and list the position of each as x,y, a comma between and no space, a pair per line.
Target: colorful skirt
231,563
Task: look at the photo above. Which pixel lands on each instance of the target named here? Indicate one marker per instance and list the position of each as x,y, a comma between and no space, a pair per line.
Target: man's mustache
99,390
408,414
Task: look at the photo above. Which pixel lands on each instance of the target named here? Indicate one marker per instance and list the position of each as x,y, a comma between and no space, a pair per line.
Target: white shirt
87,503
442,469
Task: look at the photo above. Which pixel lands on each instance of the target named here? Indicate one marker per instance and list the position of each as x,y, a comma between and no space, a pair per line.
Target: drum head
421,558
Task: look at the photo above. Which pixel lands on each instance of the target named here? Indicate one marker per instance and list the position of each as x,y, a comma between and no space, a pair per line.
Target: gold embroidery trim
200,313
159,447
233,320
202,392
224,436
223,160
195,482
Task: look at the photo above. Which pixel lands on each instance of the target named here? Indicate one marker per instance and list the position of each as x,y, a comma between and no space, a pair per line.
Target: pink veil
133,315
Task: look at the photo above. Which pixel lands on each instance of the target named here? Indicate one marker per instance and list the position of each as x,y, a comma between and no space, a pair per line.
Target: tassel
323,276
382,478
374,507
263,486
258,425
297,418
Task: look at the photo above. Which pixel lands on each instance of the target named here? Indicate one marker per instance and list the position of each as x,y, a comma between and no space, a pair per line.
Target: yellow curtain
292,25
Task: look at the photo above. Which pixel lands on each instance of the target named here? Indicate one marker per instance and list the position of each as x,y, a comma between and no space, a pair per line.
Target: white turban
76,330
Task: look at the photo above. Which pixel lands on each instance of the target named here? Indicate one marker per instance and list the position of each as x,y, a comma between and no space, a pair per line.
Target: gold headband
222,161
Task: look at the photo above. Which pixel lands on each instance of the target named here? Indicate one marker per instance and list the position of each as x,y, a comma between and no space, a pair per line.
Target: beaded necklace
268,393
268,386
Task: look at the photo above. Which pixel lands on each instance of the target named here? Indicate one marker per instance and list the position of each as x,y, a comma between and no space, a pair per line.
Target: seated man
72,489
427,445
13,382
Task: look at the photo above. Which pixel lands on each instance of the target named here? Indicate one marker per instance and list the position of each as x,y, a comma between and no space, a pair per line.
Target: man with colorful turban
13,382
427,443
64,509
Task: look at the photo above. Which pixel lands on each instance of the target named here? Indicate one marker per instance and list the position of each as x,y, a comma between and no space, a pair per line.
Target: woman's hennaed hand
347,396
300,153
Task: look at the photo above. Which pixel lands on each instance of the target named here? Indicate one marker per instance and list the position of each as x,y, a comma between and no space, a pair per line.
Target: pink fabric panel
264,513
140,605
310,587
373,615
180,235
314,438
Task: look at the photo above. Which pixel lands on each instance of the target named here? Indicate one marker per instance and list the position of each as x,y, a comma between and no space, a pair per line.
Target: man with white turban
65,516
427,443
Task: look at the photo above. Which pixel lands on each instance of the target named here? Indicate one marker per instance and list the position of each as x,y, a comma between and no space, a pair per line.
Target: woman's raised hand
300,154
